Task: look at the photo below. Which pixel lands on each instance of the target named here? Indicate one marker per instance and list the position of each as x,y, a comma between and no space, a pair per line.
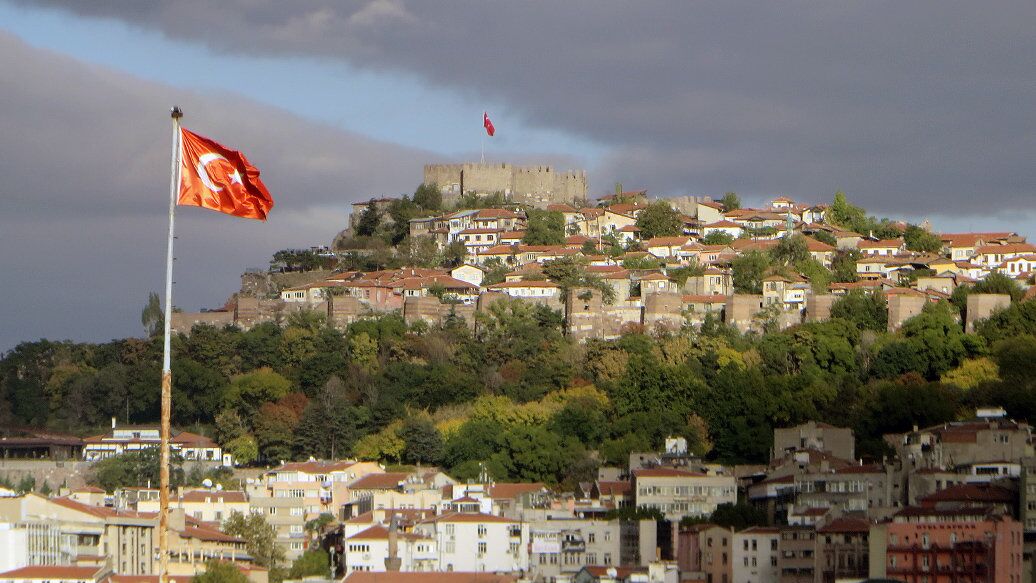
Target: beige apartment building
679,493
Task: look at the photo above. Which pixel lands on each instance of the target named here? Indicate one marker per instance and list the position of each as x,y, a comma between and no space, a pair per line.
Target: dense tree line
519,399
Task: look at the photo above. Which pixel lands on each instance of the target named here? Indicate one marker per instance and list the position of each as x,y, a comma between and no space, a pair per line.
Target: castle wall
663,311
982,306
741,310
184,321
902,307
818,307
534,185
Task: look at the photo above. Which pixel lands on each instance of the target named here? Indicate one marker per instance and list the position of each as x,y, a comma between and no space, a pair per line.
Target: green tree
260,537
730,201
937,338
659,219
1016,320
229,426
717,238
369,221
248,392
152,316
428,197
454,254
26,484
737,516
825,237
312,563
244,449
386,444
996,283
972,373
217,571
570,273
423,443
866,310
275,426
749,269
846,215
843,265
790,250
544,227
532,453
134,469
920,240
495,271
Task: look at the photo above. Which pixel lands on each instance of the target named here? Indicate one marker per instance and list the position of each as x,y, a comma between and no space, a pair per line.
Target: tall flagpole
167,374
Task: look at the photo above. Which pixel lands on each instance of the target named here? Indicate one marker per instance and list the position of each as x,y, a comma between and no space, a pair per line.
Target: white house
468,273
884,247
477,542
729,227
132,438
755,555
529,290
367,551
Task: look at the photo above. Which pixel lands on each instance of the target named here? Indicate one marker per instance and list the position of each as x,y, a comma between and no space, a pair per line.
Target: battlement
538,185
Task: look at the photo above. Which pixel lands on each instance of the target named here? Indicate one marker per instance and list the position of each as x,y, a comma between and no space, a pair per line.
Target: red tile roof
846,524
212,496
53,572
972,493
665,473
509,490
415,577
315,467
385,481
453,517
667,241
512,284
1009,248
882,244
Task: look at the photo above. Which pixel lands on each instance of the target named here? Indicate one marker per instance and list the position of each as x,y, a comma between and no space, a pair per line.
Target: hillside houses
667,280
828,516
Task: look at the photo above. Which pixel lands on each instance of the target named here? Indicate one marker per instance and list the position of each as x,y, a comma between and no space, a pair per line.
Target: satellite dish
207,483
219,487
612,572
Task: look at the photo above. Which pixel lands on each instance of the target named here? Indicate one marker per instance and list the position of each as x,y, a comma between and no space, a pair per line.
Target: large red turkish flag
488,124
215,177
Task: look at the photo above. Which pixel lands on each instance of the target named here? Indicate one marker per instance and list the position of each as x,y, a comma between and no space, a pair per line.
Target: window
607,558
481,531
481,549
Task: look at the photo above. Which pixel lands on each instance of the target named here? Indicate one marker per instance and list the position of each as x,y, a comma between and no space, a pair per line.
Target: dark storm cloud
920,107
84,161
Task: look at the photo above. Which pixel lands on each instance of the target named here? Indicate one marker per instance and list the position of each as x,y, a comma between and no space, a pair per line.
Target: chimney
392,561
113,421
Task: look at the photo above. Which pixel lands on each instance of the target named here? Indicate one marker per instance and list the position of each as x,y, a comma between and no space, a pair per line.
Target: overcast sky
919,110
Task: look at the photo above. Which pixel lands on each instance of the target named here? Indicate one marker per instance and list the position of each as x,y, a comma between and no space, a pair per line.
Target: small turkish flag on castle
487,124
215,177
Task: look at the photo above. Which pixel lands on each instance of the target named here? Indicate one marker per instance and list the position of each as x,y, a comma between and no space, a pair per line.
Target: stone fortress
538,186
